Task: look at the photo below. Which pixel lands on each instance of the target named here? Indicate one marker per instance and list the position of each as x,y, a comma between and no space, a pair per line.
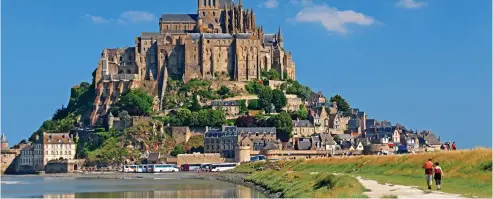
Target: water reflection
82,187
239,192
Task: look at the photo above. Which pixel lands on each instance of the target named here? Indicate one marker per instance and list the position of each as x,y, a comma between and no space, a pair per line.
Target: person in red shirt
428,166
454,146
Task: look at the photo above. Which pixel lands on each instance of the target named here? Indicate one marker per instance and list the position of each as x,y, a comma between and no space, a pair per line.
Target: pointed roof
4,138
279,35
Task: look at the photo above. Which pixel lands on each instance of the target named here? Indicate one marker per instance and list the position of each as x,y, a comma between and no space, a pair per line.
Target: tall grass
466,172
306,185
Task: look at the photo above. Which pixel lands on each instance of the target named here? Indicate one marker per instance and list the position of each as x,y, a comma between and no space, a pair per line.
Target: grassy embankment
302,183
466,172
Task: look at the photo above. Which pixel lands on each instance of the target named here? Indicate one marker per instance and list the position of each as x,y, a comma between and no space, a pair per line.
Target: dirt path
377,190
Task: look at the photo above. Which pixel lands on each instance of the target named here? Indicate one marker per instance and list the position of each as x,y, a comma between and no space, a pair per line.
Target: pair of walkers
433,171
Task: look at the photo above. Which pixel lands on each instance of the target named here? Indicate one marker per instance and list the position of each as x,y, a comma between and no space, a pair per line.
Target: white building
51,146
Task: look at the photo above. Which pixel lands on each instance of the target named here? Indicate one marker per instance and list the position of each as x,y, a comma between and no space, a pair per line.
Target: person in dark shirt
438,175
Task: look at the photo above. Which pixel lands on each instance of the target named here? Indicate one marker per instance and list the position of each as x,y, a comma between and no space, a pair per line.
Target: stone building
231,108
221,41
316,99
227,139
8,156
293,103
180,134
51,146
320,119
302,128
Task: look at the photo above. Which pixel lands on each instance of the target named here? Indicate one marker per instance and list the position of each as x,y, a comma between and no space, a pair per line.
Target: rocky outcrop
239,179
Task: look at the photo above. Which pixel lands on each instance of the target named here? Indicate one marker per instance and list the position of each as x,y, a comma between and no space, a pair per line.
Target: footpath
377,190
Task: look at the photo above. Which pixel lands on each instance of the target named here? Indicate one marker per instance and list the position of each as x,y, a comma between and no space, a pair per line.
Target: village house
225,140
316,99
320,119
338,123
302,128
232,108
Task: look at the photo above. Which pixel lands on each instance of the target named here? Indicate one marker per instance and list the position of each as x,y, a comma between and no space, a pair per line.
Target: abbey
221,41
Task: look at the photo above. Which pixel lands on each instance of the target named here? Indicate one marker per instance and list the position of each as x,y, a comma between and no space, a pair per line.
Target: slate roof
153,157
57,138
256,129
302,123
149,35
243,35
269,38
179,18
354,123
27,148
327,138
345,136
433,140
217,36
304,144
225,103
271,146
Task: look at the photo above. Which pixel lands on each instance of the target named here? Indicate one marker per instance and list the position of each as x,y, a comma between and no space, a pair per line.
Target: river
122,186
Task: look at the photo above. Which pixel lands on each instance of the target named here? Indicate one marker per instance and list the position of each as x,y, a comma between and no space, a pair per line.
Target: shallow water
83,187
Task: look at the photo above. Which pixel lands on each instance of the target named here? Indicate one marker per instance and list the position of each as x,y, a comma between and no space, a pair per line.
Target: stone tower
5,143
111,120
242,154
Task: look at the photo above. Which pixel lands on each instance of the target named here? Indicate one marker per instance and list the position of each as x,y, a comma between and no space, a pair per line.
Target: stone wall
8,161
198,158
181,134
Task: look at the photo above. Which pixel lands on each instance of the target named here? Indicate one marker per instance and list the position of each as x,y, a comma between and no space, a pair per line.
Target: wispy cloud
96,19
127,17
302,2
271,3
135,17
411,4
332,19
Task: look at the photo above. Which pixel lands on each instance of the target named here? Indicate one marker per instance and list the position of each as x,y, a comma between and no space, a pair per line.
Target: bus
129,168
160,168
223,166
205,167
141,169
190,167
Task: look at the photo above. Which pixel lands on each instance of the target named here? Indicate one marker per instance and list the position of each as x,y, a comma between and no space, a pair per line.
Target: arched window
129,71
120,72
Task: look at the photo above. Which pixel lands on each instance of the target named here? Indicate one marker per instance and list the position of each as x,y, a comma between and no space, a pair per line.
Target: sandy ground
378,190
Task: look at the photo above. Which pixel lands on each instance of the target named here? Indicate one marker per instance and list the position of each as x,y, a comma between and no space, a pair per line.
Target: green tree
243,107
284,126
271,74
195,104
178,150
342,104
253,105
223,90
265,99
279,99
294,87
303,113
135,101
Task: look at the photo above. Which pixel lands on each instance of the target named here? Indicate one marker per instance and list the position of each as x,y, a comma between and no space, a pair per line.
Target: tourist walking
438,175
428,166
454,146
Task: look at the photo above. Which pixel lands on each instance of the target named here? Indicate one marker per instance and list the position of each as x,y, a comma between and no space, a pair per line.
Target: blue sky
425,64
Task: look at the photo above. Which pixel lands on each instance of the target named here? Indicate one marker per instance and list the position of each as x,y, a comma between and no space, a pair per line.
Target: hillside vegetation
466,172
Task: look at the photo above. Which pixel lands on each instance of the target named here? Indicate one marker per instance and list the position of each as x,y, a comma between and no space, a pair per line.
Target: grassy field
296,184
466,172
